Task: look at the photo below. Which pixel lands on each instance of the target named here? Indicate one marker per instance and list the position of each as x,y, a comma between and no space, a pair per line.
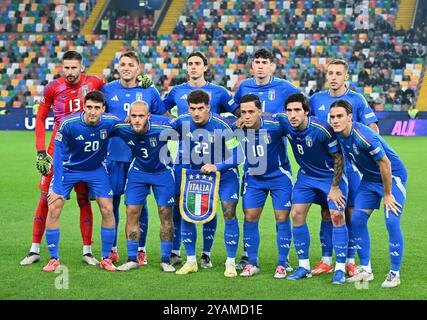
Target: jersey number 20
91,146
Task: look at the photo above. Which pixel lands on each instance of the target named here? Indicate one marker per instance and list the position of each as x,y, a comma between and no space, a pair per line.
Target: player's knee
229,211
298,217
83,200
359,219
106,209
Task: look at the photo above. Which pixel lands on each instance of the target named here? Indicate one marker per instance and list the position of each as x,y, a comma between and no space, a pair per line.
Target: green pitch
19,197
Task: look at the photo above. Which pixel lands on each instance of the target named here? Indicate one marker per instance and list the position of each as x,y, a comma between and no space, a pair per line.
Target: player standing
119,95
273,93
320,180
66,95
265,171
337,75
208,155
148,170
384,177
221,100
80,150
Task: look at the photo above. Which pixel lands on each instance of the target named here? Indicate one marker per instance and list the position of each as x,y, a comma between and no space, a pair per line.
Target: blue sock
359,223
166,248
107,239
301,241
116,207
176,228
351,250
283,239
326,238
251,239
340,241
209,234
189,237
52,240
231,237
143,225
132,250
395,240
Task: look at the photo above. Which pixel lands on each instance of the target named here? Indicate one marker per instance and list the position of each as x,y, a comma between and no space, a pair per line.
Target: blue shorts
117,172
139,183
255,191
370,193
97,181
229,186
354,178
309,189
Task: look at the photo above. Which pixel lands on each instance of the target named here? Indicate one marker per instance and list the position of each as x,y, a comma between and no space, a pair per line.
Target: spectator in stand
120,28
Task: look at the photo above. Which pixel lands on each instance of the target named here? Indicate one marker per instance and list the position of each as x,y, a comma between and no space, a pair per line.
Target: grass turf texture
19,197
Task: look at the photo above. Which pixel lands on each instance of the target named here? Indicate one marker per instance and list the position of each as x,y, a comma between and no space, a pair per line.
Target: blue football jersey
149,150
265,154
118,100
221,99
273,95
313,147
365,147
320,104
79,146
213,143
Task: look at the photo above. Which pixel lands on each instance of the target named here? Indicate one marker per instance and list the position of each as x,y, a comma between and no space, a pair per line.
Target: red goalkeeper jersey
65,99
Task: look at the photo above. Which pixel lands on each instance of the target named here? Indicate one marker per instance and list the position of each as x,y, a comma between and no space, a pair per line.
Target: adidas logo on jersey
131,143
231,243
171,200
234,196
187,240
115,98
322,107
184,97
211,237
80,137
300,252
288,204
110,193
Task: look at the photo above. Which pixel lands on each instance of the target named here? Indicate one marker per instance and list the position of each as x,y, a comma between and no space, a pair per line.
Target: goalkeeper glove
144,81
43,162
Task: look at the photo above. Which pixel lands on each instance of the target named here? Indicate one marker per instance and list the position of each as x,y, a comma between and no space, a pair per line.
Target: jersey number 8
300,149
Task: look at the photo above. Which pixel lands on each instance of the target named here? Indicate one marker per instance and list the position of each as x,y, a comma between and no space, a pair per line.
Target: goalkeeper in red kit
65,95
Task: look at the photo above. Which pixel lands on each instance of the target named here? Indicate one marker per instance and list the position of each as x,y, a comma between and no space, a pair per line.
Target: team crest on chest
267,139
309,141
138,96
85,90
153,142
271,95
103,134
